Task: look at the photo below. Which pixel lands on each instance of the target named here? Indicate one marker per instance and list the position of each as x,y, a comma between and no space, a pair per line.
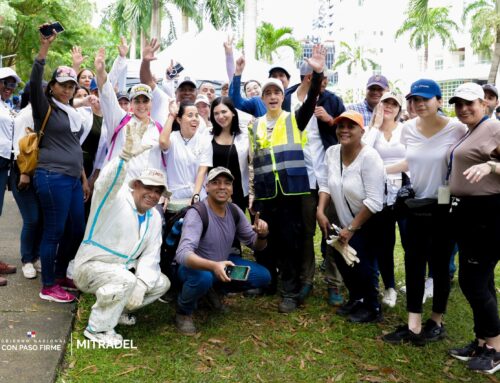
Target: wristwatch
352,229
493,166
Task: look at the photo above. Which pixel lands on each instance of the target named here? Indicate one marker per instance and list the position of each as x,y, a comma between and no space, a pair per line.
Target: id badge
444,196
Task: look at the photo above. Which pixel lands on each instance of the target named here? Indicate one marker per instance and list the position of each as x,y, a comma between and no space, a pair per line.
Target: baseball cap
279,68
273,82
186,80
141,89
93,85
305,69
9,72
379,80
202,98
215,172
424,88
152,177
492,88
351,115
468,91
121,95
64,74
393,95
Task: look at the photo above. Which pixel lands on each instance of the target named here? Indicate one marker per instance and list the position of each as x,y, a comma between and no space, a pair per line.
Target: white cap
468,91
141,89
273,82
9,72
393,95
151,177
202,98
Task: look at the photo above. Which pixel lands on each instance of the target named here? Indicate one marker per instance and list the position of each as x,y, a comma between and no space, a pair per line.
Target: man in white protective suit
118,260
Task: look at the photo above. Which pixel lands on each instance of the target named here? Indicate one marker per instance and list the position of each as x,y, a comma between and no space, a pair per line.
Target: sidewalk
24,358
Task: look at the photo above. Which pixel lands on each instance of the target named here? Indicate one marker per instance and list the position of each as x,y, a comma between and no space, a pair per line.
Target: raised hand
260,226
240,66
47,40
99,61
148,52
318,58
123,47
173,108
228,45
378,116
77,57
133,140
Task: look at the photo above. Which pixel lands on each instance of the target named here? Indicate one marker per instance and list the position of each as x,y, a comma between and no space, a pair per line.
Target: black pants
285,242
429,236
477,224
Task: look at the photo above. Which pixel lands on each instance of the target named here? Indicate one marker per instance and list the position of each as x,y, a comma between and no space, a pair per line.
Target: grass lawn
254,343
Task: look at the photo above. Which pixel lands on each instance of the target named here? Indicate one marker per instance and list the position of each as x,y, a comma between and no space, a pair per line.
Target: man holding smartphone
204,258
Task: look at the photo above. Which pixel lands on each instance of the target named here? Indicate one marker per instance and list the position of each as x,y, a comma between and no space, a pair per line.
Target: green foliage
355,58
485,22
270,39
19,33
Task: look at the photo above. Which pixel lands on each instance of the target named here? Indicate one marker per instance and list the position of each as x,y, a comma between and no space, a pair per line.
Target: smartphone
46,30
178,68
238,273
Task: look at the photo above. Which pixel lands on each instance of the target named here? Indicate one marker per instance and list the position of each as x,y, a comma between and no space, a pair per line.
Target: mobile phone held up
47,30
178,68
238,273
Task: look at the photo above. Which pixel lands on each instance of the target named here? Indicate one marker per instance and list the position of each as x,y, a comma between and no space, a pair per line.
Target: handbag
405,193
27,159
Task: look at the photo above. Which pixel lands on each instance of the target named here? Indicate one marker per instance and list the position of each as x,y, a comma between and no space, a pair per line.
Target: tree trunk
143,41
185,23
156,20
495,60
133,44
250,28
426,57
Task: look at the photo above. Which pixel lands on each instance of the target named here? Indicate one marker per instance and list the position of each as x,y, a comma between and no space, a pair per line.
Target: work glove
133,140
347,252
137,296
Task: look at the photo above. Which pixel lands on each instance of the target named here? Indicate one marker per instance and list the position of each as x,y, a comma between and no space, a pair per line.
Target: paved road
23,358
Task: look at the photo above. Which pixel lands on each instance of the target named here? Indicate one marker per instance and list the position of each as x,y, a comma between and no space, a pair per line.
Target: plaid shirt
363,108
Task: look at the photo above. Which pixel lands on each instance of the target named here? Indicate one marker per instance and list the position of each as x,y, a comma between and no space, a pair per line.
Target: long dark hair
182,109
235,122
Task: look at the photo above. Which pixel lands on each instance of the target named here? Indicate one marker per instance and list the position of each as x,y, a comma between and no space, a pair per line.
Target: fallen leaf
369,367
260,379
387,370
339,377
72,364
376,379
215,341
492,378
318,351
91,367
128,371
302,364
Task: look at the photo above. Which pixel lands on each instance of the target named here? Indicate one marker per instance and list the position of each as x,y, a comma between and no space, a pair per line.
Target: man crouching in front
204,255
118,260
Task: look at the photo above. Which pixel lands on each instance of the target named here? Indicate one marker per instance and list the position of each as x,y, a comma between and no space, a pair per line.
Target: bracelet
493,167
353,229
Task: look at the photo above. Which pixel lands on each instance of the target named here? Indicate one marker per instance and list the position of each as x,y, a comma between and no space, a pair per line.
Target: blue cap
93,85
425,88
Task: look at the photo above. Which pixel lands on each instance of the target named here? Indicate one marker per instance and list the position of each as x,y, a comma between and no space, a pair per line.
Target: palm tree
270,39
354,58
249,28
485,31
426,23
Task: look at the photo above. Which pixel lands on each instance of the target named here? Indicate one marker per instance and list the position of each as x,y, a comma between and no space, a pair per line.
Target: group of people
114,167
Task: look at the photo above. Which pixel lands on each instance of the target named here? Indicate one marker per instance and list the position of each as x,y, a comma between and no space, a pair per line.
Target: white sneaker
127,320
403,289
108,338
38,265
429,289
29,271
390,297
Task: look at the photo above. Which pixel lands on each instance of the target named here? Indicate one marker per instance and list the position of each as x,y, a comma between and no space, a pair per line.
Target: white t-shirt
159,105
7,117
426,157
183,159
391,152
361,183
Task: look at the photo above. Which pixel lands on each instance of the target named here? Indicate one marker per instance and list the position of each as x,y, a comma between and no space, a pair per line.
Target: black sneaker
348,308
404,335
472,350
366,315
488,362
432,332
287,305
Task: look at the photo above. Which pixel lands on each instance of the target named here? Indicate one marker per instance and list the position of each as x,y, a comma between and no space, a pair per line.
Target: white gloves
137,296
347,252
133,138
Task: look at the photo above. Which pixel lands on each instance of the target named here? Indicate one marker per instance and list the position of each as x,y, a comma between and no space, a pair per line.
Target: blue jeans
4,177
29,207
196,283
61,201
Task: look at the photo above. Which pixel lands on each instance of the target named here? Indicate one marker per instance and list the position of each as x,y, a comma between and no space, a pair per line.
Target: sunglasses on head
9,85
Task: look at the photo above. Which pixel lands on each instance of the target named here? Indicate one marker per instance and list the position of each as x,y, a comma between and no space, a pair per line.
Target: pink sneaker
66,284
56,294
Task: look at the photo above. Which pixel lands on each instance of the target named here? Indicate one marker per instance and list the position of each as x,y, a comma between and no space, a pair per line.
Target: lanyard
450,162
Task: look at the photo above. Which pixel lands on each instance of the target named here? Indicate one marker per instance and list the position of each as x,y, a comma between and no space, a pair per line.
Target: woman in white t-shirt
427,139
184,150
384,136
355,183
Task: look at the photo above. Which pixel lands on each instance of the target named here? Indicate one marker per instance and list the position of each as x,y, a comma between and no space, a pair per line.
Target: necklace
186,140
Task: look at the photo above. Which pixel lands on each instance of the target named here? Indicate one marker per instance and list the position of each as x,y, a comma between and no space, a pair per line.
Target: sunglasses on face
9,85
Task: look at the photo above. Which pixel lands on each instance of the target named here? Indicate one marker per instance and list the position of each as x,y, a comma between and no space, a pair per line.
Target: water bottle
175,233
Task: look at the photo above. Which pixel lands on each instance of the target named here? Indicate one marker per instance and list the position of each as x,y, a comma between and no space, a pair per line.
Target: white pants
112,284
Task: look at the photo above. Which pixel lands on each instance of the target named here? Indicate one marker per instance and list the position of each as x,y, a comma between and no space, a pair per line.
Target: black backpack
173,231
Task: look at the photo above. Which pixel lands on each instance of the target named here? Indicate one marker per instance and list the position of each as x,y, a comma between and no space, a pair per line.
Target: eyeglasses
9,85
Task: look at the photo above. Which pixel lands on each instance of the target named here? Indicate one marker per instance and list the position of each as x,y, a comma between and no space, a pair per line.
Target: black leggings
477,221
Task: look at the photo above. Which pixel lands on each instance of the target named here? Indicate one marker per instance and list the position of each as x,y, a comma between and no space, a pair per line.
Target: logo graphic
31,334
